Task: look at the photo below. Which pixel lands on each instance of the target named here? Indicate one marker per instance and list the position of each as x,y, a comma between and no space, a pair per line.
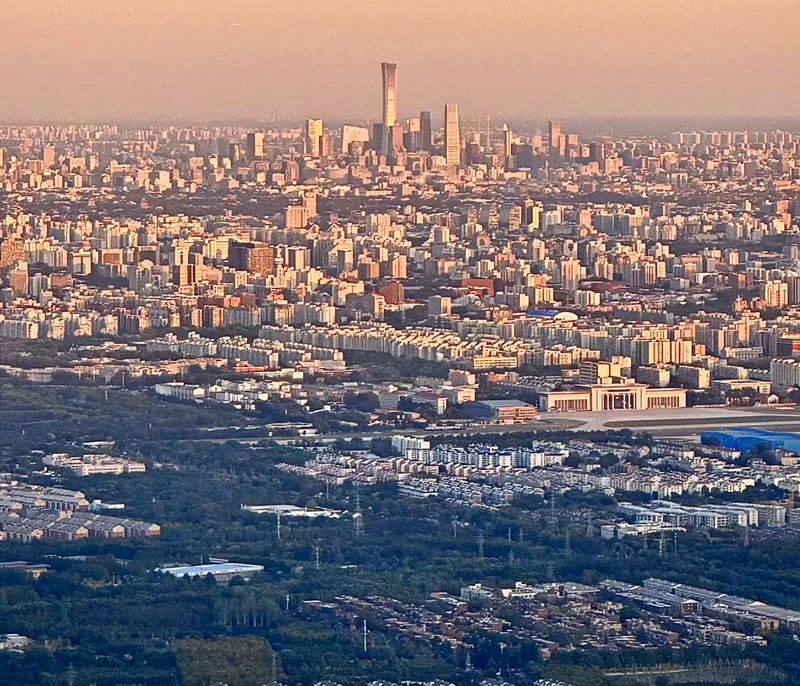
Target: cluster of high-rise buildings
632,268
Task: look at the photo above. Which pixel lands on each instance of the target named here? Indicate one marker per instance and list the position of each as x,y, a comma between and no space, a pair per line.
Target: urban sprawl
598,333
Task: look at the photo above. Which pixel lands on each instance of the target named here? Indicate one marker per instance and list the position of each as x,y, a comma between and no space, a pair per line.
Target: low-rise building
506,411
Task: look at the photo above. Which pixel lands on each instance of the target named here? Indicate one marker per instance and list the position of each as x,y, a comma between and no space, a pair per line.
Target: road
682,422
677,423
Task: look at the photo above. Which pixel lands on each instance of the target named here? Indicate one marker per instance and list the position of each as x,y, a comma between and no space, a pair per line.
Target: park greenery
103,616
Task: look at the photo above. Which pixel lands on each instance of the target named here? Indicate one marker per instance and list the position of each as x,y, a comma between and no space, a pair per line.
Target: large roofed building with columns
617,396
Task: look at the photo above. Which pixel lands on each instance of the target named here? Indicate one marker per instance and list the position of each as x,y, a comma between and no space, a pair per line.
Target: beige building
618,396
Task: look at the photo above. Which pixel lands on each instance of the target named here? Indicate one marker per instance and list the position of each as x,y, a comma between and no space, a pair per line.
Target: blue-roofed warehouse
745,437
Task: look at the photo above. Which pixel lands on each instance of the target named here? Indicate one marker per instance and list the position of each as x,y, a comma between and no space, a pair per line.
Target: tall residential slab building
452,136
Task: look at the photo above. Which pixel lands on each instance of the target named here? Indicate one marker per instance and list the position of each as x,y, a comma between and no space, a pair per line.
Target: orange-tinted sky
254,58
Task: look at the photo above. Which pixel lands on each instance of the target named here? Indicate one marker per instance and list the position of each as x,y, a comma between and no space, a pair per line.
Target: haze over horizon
90,59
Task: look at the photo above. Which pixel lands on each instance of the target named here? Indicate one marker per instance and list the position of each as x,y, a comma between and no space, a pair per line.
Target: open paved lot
701,417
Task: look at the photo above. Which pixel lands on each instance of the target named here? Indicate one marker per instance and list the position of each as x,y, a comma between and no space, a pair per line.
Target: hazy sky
255,58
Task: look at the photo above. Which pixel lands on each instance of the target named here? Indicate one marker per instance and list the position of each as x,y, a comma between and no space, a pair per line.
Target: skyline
435,343
127,61
412,388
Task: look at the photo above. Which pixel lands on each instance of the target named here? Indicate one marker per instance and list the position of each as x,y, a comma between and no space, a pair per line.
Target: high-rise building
395,139
555,134
439,305
411,137
252,257
379,137
353,134
326,144
313,136
255,145
558,143
49,155
389,72
572,271
452,135
775,293
425,131
12,250
296,216
310,203
184,274
507,134
393,293
291,171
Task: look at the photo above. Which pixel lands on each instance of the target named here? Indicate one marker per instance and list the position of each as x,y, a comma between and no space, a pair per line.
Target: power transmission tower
279,527
358,517
747,537
509,534
455,527
662,545
521,535
589,527
316,555
365,635
567,546
480,546
675,538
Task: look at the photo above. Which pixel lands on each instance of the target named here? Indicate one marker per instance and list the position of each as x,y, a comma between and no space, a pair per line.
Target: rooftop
202,570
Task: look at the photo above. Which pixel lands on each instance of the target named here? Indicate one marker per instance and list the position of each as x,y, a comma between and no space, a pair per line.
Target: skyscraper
507,136
452,136
555,134
255,145
389,71
411,137
313,135
395,139
379,139
425,131
558,143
